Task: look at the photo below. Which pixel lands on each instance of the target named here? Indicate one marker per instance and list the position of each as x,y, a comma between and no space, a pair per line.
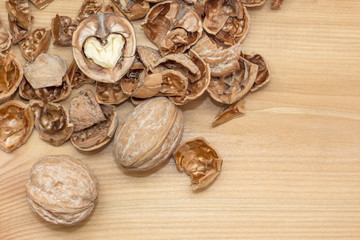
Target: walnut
199,160
16,124
104,47
252,3
63,28
229,112
88,8
52,122
226,20
99,134
132,9
110,93
46,71
172,27
62,189
148,56
263,74
85,110
20,19
47,94
275,4
76,77
41,4
11,74
148,135
5,38
36,43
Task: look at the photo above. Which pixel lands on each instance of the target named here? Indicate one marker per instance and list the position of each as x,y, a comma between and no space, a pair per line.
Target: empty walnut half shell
148,135
41,4
110,93
229,112
11,74
62,189
52,122
133,9
76,77
5,38
34,44
199,160
252,3
98,135
172,27
104,47
88,8
263,74
63,28
20,19
47,94
16,125
226,20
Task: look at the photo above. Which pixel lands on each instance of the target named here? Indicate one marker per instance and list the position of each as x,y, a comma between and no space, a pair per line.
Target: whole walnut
148,135
62,189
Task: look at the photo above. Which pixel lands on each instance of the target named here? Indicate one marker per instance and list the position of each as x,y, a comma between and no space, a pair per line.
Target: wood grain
291,164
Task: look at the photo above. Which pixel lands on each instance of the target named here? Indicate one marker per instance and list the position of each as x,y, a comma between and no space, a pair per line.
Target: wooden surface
291,164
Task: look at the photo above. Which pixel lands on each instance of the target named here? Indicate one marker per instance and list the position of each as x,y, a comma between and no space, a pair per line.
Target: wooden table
291,164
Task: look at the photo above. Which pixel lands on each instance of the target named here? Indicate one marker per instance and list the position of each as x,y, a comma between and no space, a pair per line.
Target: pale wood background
291,164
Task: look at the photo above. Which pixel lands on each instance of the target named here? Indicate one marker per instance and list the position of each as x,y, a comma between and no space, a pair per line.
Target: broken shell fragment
41,4
148,56
46,71
263,75
149,86
61,189
98,135
5,38
132,9
16,125
252,3
275,4
52,122
11,74
76,77
172,26
63,28
229,112
36,43
88,8
85,110
148,135
174,84
20,19
104,47
227,21
110,93
199,160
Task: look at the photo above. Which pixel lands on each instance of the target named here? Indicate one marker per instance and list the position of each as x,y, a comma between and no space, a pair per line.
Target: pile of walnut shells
198,51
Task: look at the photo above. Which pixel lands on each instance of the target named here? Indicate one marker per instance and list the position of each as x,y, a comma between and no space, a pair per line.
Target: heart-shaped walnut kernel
105,54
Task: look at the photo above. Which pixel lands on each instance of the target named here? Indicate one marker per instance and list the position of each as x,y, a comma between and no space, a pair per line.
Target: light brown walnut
61,189
199,160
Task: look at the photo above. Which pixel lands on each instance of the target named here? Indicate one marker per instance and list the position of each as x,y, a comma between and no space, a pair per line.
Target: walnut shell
47,70
263,75
20,19
229,112
11,74
98,135
62,29
88,8
110,93
132,9
5,38
148,135
36,43
41,4
62,189
52,122
199,160
227,21
85,111
275,4
102,26
172,26
252,3
16,125
76,77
